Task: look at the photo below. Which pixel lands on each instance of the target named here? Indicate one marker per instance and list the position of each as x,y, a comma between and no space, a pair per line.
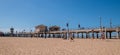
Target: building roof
40,26
54,26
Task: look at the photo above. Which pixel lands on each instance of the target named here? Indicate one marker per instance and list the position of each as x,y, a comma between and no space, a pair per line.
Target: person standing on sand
103,36
71,37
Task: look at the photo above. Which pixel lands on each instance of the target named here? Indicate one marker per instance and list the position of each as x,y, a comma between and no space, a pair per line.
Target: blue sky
26,14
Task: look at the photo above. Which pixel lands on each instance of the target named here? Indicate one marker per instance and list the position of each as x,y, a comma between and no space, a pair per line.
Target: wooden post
93,34
77,35
119,35
106,35
82,35
45,35
110,35
87,35
97,35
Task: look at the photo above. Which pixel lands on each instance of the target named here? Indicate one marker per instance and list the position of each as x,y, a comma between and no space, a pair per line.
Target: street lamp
110,23
67,24
79,26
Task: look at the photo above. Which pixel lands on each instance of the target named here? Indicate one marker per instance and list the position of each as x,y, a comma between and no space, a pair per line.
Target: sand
56,46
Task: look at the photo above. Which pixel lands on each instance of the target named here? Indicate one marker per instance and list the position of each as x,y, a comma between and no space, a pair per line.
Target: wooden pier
86,33
42,31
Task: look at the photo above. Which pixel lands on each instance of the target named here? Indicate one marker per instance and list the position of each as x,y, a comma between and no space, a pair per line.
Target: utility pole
100,26
100,22
110,23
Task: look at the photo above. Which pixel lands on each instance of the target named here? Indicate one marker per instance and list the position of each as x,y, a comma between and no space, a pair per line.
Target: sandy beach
57,46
